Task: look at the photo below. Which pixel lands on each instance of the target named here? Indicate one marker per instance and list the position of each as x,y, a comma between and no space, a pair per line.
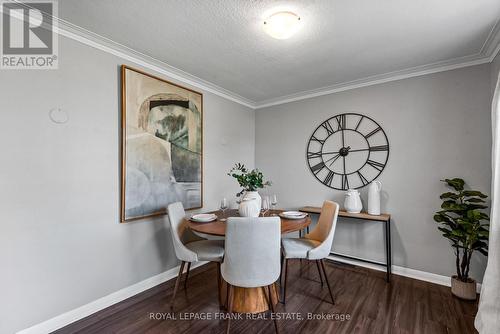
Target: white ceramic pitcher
374,198
352,202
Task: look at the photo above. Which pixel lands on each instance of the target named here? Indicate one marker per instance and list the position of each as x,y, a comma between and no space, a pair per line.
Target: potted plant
250,181
463,222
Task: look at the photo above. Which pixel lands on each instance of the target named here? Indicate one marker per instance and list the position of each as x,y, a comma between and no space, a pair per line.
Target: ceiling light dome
282,25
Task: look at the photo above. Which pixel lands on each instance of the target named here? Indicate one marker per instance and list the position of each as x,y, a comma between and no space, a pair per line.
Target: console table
383,218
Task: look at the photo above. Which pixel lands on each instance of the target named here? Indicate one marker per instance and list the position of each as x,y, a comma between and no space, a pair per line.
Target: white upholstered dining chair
252,257
202,250
314,246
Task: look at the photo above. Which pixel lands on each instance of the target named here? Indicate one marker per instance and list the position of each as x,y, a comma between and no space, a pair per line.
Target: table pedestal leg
249,300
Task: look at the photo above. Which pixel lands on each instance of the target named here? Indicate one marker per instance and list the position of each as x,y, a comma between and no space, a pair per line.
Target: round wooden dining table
246,300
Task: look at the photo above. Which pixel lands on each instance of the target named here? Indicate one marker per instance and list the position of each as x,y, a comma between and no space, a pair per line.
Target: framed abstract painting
162,145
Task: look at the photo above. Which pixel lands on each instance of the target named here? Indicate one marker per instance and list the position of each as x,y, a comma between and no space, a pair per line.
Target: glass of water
265,205
274,202
223,207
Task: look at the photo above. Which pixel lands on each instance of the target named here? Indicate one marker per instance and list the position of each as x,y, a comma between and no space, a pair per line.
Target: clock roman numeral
311,155
329,178
328,127
377,165
321,141
341,122
359,123
317,168
362,178
379,148
345,182
373,132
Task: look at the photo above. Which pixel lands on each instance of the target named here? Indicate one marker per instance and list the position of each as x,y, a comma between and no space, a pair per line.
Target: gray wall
438,126
61,244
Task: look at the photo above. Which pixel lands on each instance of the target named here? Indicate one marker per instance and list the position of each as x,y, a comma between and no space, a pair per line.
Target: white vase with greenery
250,181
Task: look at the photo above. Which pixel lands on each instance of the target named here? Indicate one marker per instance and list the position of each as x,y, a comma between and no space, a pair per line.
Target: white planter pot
463,290
250,204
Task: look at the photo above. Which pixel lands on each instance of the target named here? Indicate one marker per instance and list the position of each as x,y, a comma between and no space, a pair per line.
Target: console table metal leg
388,248
384,218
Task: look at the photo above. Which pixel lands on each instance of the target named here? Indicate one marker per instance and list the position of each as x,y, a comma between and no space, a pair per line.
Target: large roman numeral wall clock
347,151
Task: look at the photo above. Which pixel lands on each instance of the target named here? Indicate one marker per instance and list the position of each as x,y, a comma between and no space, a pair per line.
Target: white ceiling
341,41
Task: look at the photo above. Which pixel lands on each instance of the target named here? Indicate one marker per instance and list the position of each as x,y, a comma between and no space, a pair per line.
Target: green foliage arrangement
464,223
249,180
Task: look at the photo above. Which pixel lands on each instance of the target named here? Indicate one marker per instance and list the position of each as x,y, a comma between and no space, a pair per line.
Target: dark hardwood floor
365,303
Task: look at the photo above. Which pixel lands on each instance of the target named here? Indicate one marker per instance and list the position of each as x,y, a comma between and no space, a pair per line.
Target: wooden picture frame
161,145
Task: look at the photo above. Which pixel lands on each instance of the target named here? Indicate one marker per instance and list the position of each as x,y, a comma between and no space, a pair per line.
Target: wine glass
274,202
265,205
223,207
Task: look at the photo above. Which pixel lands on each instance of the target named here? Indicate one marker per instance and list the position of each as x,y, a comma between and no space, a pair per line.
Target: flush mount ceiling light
282,25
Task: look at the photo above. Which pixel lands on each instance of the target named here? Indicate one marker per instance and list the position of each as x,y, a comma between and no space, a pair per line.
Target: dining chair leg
227,295
229,308
271,307
286,279
187,275
327,282
177,281
219,287
281,271
319,272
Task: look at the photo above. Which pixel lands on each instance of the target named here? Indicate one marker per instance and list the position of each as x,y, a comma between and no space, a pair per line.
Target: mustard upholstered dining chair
252,257
202,250
314,246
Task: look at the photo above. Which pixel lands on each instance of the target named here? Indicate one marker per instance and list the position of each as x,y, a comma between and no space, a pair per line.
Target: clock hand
360,150
336,157
349,148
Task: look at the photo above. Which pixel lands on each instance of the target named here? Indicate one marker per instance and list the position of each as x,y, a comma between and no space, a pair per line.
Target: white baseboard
120,295
403,271
101,303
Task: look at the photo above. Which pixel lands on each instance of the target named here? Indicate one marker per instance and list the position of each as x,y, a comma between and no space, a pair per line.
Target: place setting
203,217
294,215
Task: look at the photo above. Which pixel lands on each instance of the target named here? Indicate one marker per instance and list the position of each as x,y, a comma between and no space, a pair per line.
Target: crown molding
378,79
492,44
84,36
487,54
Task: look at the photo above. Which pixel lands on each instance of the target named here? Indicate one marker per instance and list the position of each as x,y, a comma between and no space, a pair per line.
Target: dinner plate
204,217
293,215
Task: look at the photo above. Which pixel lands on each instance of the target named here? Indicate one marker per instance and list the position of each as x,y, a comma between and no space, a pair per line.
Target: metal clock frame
369,152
